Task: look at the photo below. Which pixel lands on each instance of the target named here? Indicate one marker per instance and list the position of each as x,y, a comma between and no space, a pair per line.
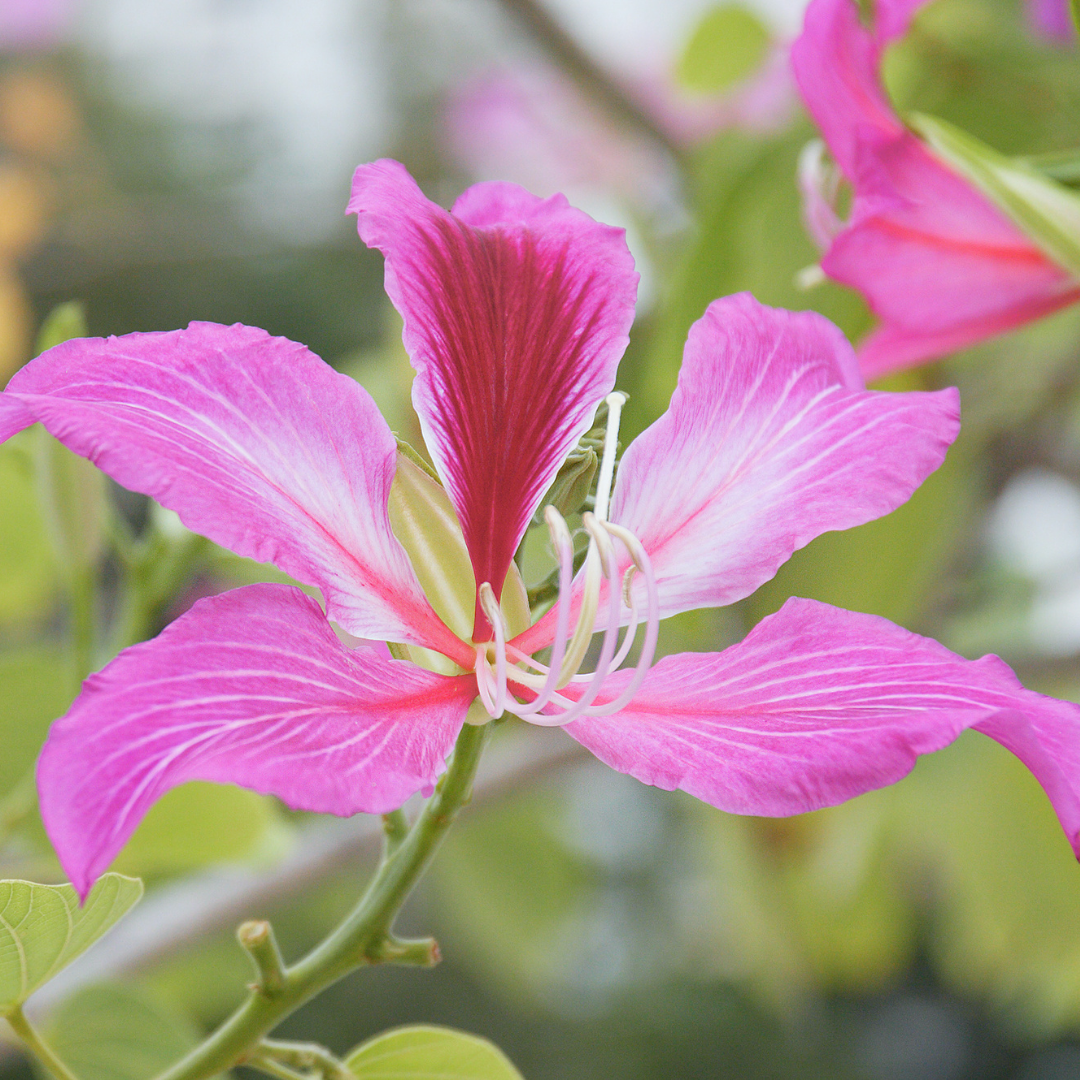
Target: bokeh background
190,159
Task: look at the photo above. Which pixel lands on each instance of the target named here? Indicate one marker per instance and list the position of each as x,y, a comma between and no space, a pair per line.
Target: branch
591,78
183,913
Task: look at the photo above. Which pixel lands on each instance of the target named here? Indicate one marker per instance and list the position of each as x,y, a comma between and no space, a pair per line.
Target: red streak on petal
513,327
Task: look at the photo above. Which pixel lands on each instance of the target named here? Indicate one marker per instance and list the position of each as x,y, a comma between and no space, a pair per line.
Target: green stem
305,1057
365,935
37,1046
395,831
274,1068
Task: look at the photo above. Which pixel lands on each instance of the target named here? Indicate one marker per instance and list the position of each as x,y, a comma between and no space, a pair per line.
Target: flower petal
516,313
255,443
836,62
937,261
818,705
769,441
251,687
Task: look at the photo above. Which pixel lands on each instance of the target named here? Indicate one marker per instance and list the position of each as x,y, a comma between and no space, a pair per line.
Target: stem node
257,939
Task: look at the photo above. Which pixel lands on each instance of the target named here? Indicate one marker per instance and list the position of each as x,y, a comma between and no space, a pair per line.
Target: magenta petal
937,261
516,312
940,265
770,440
251,687
255,443
836,65
818,705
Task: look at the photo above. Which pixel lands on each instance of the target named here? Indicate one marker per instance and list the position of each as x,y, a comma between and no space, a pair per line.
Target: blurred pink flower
938,263
532,124
516,311
33,24
1051,18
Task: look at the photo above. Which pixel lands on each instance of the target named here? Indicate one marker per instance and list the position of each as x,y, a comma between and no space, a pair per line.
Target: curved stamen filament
609,567
568,650
494,614
615,401
564,549
642,563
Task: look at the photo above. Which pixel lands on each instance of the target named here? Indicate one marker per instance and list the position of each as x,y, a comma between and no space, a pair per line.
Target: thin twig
593,80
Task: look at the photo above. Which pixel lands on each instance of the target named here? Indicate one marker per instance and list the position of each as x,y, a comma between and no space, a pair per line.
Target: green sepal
573,483
43,928
1046,211
1060,165
427,1052
424,521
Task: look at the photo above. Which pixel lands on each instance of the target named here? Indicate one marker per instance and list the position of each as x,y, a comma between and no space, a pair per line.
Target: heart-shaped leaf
424,1052
42,929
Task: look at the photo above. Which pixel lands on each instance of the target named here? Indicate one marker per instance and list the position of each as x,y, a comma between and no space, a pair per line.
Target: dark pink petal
516,312
251,687
770,440
818,705
255,443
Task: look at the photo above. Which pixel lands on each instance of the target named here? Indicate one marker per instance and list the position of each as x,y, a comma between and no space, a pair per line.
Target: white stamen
615,402
563,543
568,650
494,613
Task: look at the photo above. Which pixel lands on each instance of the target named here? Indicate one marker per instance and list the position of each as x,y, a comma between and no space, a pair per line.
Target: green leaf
425,1052
27,566
118,1033
512,894
34,689
42,929
64,322
1045,210
728,45
199,823
1060,165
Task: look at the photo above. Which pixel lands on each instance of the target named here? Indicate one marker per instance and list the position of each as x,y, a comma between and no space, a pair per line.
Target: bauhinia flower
938,262
516,311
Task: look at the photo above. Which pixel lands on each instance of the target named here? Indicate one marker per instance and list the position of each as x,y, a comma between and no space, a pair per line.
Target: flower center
608,583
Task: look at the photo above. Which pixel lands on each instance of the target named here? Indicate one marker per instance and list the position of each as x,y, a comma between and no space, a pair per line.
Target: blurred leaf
200,823
72,492
118,1033
34,689
27,566
43,929
728,45
1062,165
1008,885
426,1052
511,891
64,322
1047,212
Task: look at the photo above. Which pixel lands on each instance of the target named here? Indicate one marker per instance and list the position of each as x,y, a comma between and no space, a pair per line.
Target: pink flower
939,264
531,123
516,312
1051,18
33,24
